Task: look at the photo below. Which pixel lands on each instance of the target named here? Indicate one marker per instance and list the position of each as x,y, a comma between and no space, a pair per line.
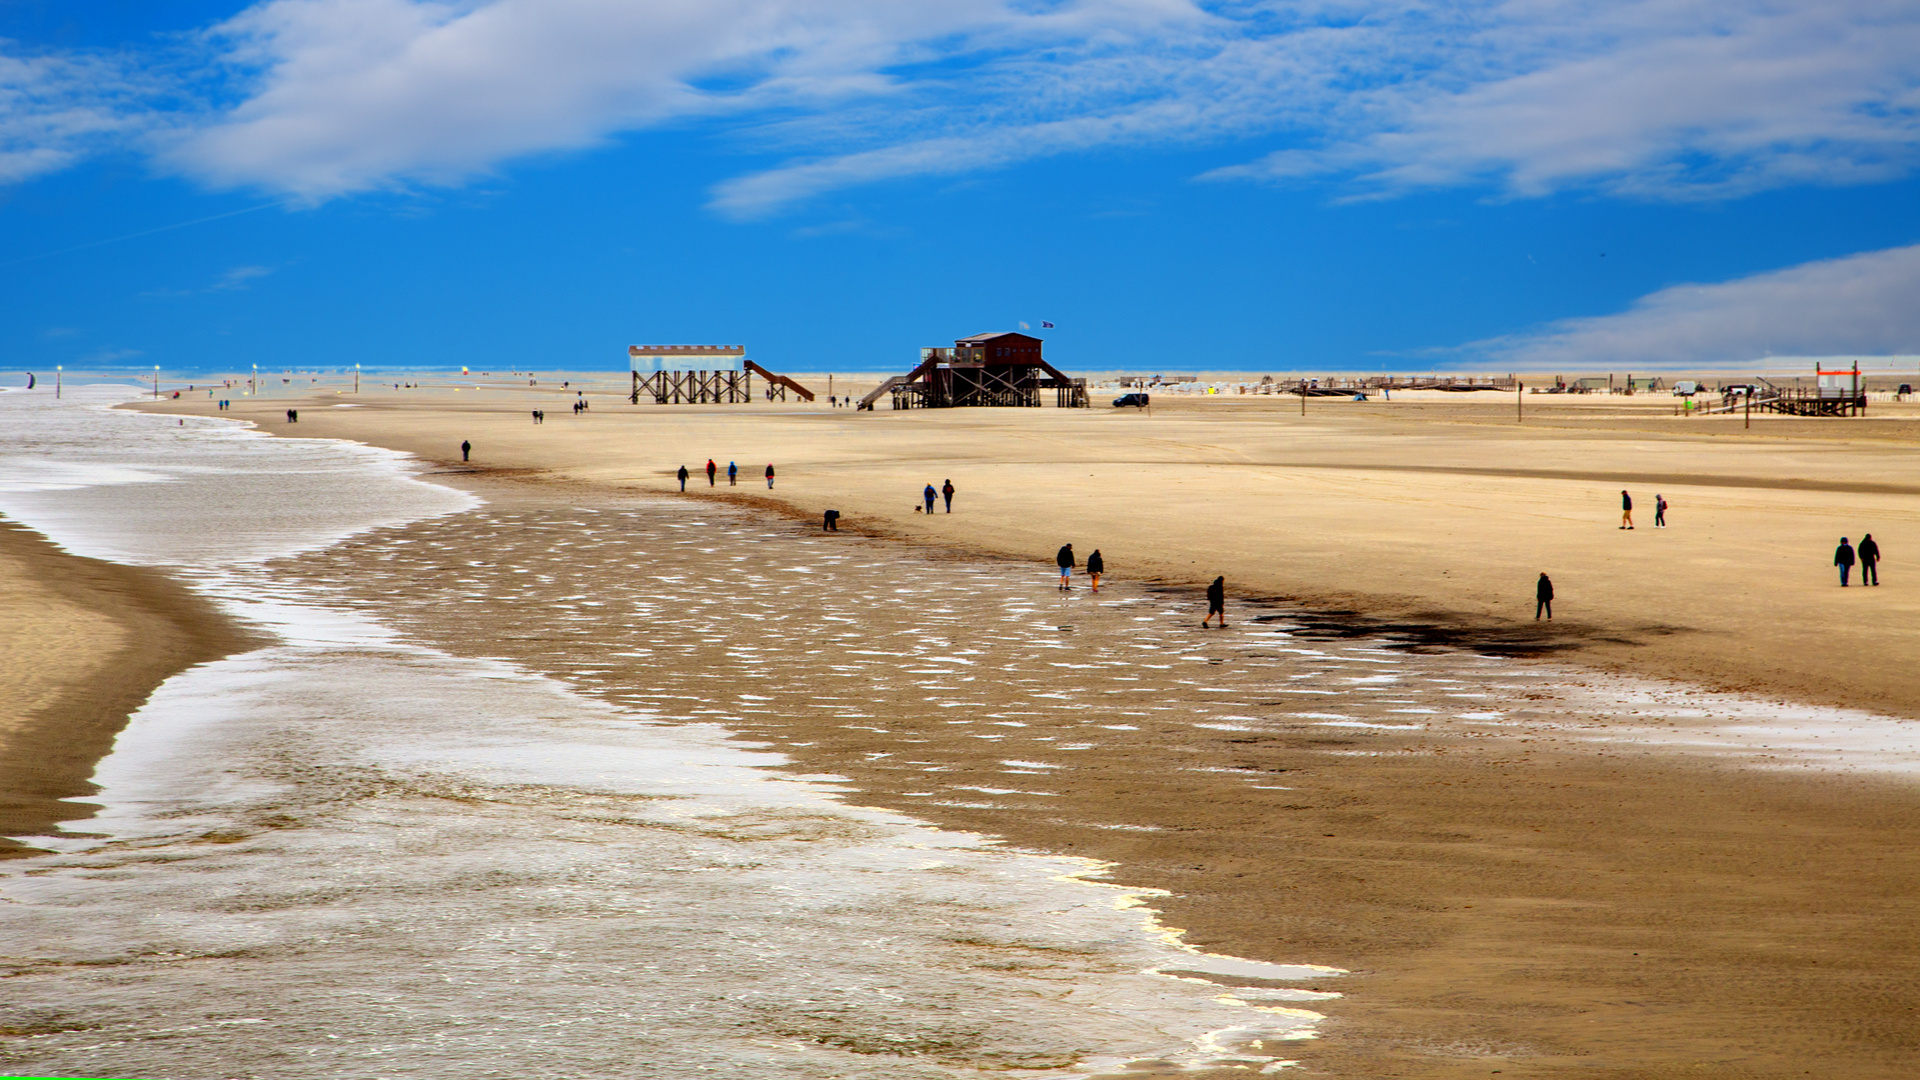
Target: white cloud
1643,98
54,109
1862,304
1663,98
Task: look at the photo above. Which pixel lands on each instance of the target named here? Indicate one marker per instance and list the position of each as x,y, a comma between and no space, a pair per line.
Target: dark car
1137,401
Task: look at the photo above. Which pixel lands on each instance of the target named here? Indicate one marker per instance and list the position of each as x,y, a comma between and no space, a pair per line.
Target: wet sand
85,642
1509,895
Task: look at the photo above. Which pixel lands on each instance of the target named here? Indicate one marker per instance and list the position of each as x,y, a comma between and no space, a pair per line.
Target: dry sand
1438,512
1508,904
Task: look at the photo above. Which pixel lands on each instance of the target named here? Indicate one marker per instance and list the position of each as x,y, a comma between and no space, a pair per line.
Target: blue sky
1541,186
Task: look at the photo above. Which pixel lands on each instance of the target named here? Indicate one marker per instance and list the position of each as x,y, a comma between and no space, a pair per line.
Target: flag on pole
1046,326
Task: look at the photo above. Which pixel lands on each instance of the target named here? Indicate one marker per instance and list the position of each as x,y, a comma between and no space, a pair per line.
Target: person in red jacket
769,476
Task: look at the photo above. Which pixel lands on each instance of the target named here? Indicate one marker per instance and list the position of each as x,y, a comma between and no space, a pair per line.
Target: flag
1046,326
1024,326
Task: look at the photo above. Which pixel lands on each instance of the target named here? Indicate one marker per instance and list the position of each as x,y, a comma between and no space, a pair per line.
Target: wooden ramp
778,385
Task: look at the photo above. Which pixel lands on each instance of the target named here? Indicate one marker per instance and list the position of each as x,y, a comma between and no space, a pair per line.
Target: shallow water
354,853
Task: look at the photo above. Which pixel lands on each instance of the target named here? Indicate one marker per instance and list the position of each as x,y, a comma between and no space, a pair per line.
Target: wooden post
1303,397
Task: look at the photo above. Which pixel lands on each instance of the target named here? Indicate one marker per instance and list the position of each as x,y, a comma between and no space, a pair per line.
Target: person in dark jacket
683,478
466,450
711,469
1659,511
1095,567
1543,597
1869,561
1064,559
1626,510
1217,601
929,495
947,490
733,473
769,476
1843,558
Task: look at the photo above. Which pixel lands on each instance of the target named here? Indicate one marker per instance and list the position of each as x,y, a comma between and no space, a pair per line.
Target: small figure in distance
929,495
1217,601
733,474
1095,567
466,450
769,476
711,468
683,478
1659,511
830,521
947,490
1064,560
1843,558
1626,510
1543,597
1869,561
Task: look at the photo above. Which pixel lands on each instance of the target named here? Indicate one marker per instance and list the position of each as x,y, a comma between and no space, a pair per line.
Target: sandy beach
86,641
1436,512
1510,898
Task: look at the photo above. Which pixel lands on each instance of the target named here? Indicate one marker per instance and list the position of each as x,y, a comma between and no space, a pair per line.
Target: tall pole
1519,403
253,382
1749,417
156,382
356,378
56,379
1303,397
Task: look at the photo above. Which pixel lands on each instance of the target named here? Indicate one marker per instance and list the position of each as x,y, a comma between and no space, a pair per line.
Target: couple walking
1867,555
945,489
1064,559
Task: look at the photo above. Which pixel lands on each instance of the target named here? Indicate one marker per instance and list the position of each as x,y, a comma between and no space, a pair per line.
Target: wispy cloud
1859,305
1641,98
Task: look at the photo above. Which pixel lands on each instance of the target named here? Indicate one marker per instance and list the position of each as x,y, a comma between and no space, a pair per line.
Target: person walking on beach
1095,567
1626,510
946,489
683,478
733,474
1543,597
711,469
1217,601
1659,511
1869,561
769,476
929,495
1843,558
1064,559
466,450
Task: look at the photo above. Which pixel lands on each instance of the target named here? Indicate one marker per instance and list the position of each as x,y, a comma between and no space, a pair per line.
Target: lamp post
156,381
57,368
356,378
253,383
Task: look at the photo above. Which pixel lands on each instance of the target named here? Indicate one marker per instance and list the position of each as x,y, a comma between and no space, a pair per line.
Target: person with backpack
947,490
1064,559
711,467
1095,567
1626,510
1217,601
929,495
683,478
